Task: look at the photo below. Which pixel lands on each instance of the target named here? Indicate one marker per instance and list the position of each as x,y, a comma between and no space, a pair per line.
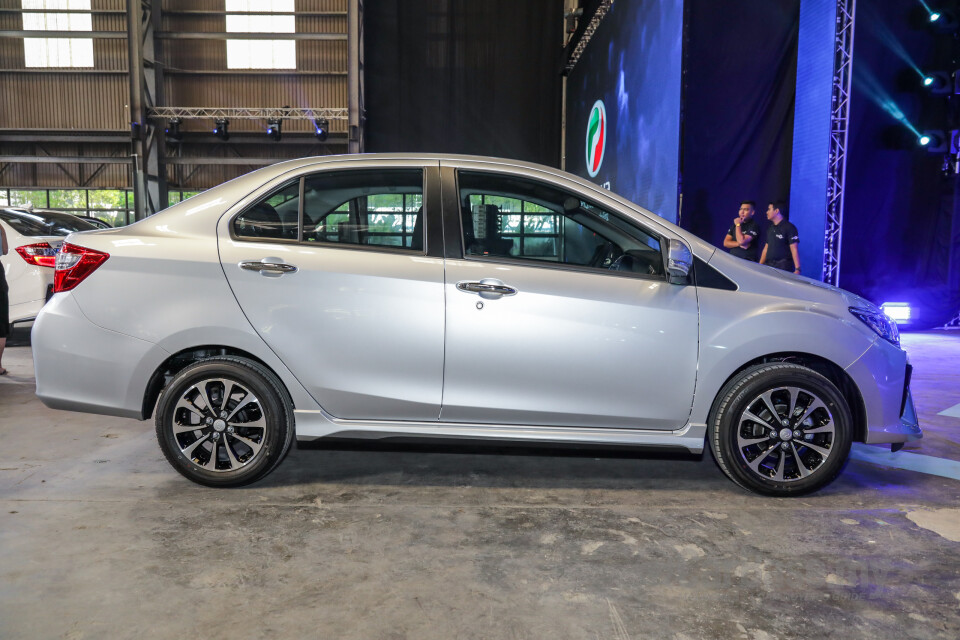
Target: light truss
839,125
595,21
246,113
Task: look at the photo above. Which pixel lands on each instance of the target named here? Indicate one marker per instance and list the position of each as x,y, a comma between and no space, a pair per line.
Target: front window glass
510,217
274,217
371,208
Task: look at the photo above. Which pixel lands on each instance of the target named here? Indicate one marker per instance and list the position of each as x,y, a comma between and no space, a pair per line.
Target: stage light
934,16
934,141
173,129
322,128
222,130
899,312
938,82
273,129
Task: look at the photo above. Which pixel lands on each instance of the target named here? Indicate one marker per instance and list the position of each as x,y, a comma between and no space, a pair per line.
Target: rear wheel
224,422
781,430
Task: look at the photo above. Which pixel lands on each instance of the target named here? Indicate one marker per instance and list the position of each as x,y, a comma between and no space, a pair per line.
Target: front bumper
883,375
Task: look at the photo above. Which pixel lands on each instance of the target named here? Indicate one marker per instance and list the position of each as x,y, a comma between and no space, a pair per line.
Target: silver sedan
432,296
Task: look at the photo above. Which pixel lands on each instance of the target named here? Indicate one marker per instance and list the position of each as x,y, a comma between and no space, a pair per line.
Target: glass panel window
261,16
275,217
509,217
371,208
42,15
19,198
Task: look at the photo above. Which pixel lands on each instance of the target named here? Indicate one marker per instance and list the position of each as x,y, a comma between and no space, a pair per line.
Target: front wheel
781,430
224,422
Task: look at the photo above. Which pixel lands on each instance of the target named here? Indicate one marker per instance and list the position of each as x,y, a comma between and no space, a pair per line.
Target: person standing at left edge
782,240
4,308
741,238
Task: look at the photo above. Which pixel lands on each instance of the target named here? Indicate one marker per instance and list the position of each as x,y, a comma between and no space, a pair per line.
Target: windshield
44,223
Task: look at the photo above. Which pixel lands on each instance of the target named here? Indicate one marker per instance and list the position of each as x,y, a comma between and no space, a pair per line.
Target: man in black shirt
742,235
782,240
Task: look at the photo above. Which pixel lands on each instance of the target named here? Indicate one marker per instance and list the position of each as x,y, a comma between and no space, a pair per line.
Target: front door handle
488,288
271,267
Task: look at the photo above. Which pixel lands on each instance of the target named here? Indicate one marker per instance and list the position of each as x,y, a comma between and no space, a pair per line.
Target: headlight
879,322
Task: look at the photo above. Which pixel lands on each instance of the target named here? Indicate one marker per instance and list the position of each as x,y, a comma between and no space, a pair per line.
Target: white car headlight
879,322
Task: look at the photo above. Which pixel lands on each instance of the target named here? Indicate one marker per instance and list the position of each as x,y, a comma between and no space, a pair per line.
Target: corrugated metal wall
91,100
95,100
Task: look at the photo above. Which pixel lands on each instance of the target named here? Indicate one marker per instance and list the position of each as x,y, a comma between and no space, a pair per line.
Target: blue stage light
924,141
934,16
927,81
899,312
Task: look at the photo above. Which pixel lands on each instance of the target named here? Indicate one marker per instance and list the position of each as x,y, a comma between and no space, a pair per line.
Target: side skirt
312,425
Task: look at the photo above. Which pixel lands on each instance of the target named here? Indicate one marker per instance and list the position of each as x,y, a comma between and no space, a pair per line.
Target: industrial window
42,15
261,16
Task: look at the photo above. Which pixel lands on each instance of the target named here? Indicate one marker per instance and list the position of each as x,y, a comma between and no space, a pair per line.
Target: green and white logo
596,137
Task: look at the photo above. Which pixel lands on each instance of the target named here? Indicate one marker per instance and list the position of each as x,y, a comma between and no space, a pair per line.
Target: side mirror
679,261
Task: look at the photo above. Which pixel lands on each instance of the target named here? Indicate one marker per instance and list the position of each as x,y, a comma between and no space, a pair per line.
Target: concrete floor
100,538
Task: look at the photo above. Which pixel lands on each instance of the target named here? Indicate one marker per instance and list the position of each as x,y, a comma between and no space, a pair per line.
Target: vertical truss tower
839,120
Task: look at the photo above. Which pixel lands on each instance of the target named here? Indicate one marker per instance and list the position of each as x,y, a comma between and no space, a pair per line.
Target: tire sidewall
724,427
275,414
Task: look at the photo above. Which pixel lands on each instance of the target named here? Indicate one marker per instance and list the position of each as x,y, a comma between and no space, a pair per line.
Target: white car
394,296
33,237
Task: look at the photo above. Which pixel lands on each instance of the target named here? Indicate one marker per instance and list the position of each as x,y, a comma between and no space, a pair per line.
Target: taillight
40,253
74,264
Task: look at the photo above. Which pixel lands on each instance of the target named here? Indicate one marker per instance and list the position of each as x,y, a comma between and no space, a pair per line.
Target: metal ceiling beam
65,159
223,35
8,33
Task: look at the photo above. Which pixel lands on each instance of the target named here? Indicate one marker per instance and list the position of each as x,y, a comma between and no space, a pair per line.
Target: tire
764,456
246,435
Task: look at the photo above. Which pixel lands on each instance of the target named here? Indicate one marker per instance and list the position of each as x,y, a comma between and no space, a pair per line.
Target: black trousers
4,306
785,264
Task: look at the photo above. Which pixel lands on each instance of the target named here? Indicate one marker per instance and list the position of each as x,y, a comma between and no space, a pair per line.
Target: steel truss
588,32
839,121
246,113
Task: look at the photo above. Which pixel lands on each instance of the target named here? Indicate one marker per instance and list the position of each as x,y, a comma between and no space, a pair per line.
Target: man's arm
796,257
729,242
763,256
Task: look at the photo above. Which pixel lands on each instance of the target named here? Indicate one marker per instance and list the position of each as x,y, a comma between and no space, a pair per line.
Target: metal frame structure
149,156
246,113
839,126
582,37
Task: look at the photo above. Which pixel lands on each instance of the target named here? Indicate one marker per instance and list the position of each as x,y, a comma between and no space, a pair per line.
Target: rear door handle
488,288
270,267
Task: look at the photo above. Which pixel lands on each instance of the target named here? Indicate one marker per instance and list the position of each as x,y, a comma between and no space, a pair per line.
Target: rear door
341,273
558,310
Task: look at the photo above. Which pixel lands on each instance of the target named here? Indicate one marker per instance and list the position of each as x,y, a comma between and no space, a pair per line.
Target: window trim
528,262
302,178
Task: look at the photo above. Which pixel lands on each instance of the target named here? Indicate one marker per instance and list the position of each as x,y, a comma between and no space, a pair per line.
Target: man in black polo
741,238
782,240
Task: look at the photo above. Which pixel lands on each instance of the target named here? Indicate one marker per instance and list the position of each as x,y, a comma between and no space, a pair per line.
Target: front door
333,272
559,313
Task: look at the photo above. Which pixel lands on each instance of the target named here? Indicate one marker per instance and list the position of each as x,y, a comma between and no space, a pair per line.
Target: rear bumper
83,367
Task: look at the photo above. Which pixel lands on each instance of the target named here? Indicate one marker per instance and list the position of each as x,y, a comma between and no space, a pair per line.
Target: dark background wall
898,203
463,76
739,86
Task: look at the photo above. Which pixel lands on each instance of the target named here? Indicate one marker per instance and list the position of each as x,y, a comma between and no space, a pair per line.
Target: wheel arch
828,369
184,358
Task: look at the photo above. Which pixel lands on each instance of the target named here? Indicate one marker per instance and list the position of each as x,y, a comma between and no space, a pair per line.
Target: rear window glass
45,223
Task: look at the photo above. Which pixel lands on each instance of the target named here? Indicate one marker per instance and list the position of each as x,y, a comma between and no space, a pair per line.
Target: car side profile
34,236
438,296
